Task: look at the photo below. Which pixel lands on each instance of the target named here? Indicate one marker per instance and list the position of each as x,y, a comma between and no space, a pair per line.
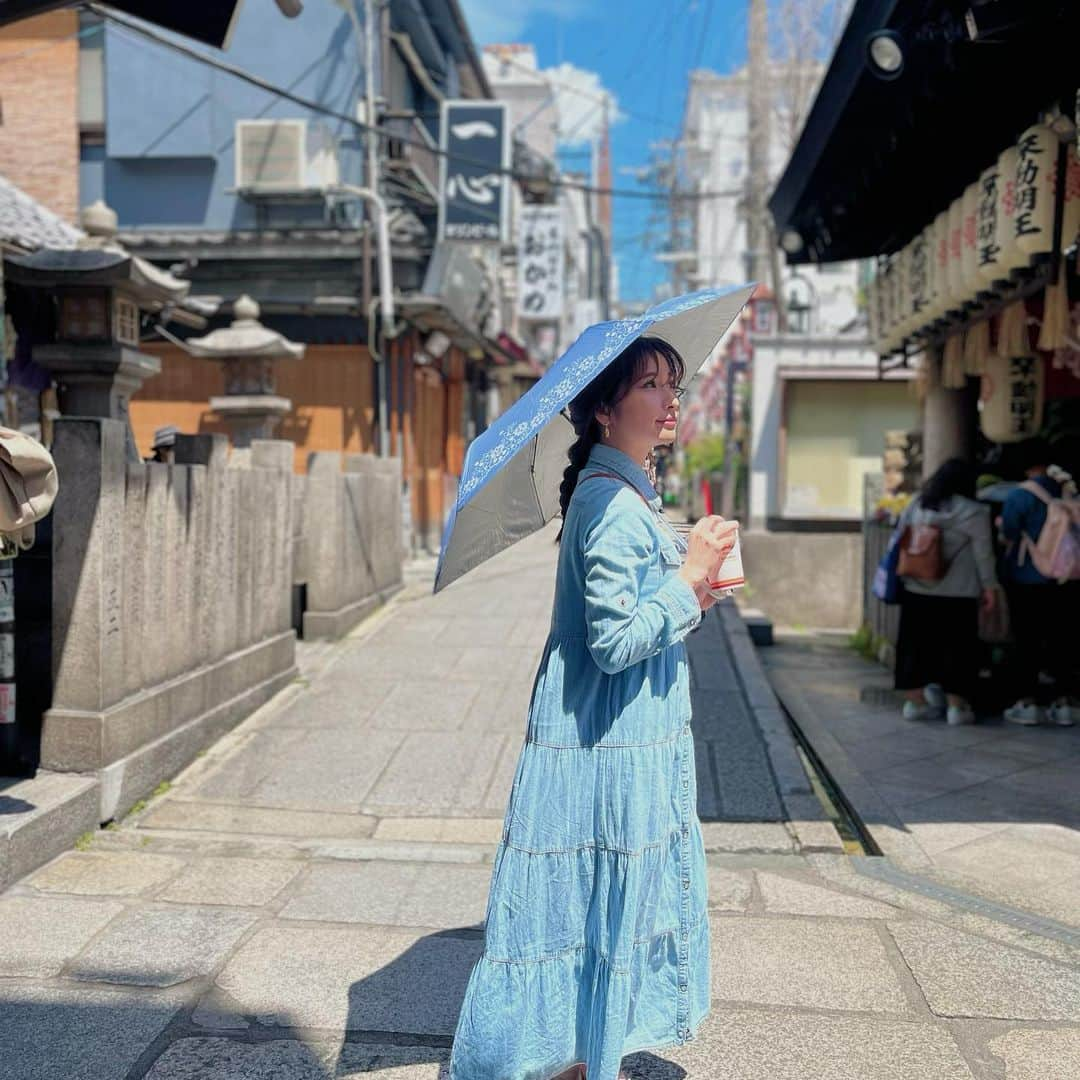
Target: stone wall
352,539
171,602
805,579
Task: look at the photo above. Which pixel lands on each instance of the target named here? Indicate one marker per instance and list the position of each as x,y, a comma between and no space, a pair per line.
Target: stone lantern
248,352
99,292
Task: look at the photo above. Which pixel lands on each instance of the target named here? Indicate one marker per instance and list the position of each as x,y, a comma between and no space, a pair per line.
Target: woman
1040,610
938,644
596,934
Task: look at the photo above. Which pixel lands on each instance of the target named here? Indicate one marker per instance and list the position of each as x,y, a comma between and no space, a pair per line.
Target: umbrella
510,480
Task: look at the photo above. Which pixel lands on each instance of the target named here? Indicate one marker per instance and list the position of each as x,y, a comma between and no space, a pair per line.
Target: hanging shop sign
969,259
540,262
1011,401
474,193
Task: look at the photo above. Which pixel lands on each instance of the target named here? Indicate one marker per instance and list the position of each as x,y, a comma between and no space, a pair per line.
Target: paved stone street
306,900
993,808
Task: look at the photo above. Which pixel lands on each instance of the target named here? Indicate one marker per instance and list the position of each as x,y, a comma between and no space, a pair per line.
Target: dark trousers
1043,619
938,643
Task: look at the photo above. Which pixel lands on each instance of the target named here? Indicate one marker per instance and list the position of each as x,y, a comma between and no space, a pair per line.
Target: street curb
886,829
806,816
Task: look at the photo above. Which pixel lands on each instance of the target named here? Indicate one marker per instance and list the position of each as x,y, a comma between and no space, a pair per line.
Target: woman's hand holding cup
709,544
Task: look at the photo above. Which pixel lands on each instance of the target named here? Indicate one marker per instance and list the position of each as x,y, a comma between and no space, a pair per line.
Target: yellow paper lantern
1036,166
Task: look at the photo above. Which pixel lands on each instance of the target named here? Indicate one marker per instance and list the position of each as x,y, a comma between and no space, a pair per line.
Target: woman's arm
622,627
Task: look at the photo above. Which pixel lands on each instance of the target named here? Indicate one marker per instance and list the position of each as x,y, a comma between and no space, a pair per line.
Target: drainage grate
880,868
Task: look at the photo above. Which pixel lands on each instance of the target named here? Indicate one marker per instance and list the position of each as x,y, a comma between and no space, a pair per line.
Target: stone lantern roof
98,259
245,337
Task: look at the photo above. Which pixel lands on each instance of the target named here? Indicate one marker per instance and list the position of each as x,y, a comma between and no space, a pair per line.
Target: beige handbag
28,485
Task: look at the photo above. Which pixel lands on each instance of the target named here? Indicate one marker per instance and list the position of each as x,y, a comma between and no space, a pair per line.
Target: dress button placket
682,1017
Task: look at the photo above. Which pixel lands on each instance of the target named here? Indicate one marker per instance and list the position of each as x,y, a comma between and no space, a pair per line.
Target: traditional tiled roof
24,222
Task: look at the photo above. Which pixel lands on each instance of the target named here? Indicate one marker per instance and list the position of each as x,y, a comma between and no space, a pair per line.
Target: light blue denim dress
597,936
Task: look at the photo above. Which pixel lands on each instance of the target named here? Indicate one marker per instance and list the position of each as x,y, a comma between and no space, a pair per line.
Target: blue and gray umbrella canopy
510,482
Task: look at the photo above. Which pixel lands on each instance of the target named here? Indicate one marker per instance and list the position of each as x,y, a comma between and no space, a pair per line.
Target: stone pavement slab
964,975
792,896
226,1059
1031,1054
438,773
800,962
225,818
38,935
394,1062
749,1044
161,946
944,802
79,1032
236,881
392,894
354,978
113,873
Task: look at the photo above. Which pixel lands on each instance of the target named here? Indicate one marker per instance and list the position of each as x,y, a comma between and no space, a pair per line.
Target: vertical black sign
474,204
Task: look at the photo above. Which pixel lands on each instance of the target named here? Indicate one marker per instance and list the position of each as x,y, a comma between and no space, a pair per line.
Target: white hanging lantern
954,267
940,304
903,278
988,254
1070,222
882,306
1011,400
1012,258
969,256
872,333
919,279
1036,166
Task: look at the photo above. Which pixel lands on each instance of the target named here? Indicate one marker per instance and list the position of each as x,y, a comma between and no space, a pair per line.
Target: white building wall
716,133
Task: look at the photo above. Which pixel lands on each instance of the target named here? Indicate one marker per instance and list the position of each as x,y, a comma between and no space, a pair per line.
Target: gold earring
607,432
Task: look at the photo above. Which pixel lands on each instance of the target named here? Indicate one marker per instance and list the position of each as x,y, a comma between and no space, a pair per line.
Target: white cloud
579,99
501,21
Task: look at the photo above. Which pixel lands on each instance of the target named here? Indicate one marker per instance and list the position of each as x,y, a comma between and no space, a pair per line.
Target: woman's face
648,413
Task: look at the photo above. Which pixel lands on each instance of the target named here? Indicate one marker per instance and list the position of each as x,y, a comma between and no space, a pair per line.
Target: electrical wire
373,129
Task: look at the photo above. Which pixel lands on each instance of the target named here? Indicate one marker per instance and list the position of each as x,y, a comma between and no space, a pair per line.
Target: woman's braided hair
605,392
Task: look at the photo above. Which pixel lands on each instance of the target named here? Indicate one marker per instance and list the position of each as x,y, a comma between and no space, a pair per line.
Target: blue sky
641,51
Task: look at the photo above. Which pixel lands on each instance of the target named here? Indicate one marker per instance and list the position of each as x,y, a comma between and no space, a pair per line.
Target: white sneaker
1063,713
914,711
960,714
935,695
1024,712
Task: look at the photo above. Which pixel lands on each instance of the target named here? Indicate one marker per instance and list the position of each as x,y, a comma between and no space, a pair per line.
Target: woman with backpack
947,567
1039,605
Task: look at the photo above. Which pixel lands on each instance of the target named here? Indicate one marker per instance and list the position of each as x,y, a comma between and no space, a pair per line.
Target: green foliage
84,841
706,454
862,641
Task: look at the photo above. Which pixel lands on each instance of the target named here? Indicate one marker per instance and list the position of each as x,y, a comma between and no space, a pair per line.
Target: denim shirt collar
608,459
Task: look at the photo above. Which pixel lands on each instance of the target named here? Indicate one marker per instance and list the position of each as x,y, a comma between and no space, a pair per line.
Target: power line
372,129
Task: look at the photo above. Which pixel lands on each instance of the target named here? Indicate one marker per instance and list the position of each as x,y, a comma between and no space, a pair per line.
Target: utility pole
757,234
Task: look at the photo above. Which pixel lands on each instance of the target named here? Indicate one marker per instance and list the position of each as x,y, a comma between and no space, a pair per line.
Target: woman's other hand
989,600
709,544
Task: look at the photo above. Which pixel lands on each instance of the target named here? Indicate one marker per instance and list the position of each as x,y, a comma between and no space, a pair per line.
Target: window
91,75
764,320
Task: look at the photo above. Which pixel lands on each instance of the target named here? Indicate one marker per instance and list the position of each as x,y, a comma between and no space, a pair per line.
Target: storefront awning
880,156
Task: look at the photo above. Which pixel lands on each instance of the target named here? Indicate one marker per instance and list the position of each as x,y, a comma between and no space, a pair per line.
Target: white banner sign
540,263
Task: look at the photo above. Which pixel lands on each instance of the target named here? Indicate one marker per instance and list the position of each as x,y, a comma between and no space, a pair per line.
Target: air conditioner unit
284,156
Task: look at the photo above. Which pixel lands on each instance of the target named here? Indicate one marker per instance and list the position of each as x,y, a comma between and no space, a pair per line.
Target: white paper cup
731,571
